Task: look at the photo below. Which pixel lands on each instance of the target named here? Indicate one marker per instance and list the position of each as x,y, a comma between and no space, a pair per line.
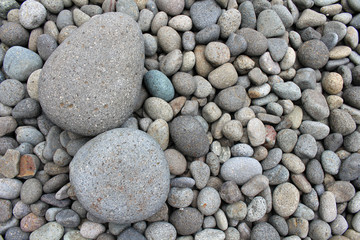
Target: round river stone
121,176
91,82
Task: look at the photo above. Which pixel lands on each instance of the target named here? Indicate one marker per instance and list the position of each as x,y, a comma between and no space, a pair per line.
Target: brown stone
52,169
31,222
270,137
29,165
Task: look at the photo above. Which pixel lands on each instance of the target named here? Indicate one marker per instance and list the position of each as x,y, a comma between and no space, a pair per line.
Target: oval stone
121,176
91,82
240,169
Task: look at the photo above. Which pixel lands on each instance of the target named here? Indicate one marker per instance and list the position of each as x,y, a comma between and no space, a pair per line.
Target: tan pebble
177,104
339,52
331,10
334,101
202,66
332,83
33,38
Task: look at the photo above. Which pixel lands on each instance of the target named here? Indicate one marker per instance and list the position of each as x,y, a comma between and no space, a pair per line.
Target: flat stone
60,105
248,167
152,159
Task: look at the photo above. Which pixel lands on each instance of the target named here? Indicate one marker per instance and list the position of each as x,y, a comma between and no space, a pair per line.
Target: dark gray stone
232,98
277,48
121,196
27,108
336,27
277,175
236,44
270,24
208,34
46,45
315,104
330,39
130,234
314,172
350,168
204,13
187,221
248,16
351,96
13,34
340,121
309,33
15,233
257,43
68,218
31,191
314,54
74,79
188,136
7,143
305,78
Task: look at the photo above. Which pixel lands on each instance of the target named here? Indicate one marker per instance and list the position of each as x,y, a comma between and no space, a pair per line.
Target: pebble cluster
252,106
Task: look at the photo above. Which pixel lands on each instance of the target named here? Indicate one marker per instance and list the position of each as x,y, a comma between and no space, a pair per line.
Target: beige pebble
339,52
334,101
33,38
202,66
159,130
32,84
65,32
331,10
177,104
332,83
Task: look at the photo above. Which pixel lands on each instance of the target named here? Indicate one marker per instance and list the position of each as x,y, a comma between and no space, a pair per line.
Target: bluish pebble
159,85
20,62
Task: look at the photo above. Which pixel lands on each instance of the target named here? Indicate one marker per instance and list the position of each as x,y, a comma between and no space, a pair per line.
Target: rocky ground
243,124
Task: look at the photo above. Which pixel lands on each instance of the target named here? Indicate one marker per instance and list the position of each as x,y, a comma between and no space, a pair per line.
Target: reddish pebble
31,222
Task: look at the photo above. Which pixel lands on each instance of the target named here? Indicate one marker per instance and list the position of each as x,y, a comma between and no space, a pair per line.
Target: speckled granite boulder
121,176
91,82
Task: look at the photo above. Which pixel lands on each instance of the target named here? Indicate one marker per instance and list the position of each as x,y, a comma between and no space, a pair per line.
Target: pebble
310,51
181,23
177,162
287,90
230,192
208,34
248,166
32,14
277,48
237,210
173,7
28,134
306,146
343,191
223,76
160,230
256,41
350,96
304,212
73,235
233,130
188,136
319,229
200,172
264,230
340,121
171,63
270,24
315,104
68,218
314,172
31,222
158,108
229,21
236,44
13,34
277,175
91,229
128,7
210,234
51,231
10,188
15,233
286,199
46,44
20,62
256,209
293,163
5,210
208,201
26,108
204,13
187,221
310,18
168,39
159,85
256,132
6,6
268,65
330,162
327,207
339,225
31,191
180,197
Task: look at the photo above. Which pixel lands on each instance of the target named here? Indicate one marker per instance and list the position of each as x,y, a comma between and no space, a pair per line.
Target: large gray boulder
121,176
91,82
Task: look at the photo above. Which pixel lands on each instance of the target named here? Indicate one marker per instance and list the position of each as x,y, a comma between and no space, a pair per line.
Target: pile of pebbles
253,104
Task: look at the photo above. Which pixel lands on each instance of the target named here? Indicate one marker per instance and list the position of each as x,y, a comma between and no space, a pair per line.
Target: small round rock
121,196
314,54
32,14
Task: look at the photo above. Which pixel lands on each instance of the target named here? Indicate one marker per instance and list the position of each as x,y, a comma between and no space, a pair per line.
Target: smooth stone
51,231
249,167
128,7
256,132
310,18
180,197
159,85
317,129
46,45
200,172
187,221
91,229
168,39
31,191
210,234
188,136
232,98
204,13
172,7
306,146
229,21
13,34
319,229
256,209
236,44
330,162
171,63
268,65
208,201
6,6
208,34
315,104
152,160
15,233
286,199
314,54
340,121
130,234
32,14
158,108
20,62
248,16
223,76
277,48
264,230
349,169
270,24
351,96
181,23
287,90
256,41
327,208
160,230
330,40
26,108
101,108
277,175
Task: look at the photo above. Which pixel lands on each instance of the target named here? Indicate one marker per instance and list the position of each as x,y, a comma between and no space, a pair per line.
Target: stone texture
67,106
94,179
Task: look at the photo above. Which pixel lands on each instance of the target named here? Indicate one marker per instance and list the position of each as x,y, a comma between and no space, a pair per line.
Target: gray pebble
91,10
46,45
284,15
335,27
330,40
187,221
232,98
287,90
279,223
256,42
304,212
131,234
319,229
248,16
314,172
330,162
208,34
309,53
306,146
210,234
237,44
315,104
31,191
11,92
305,78
287,140
277,48
32,14
204,13
256,209
20,210
5,210
68,218
277,175
264,230
340,121
10,188
55,183
339,225
180,197
270,24
349,169
188,40
29,134
230,192
13,34
160,230
248,166
26,108
200,172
